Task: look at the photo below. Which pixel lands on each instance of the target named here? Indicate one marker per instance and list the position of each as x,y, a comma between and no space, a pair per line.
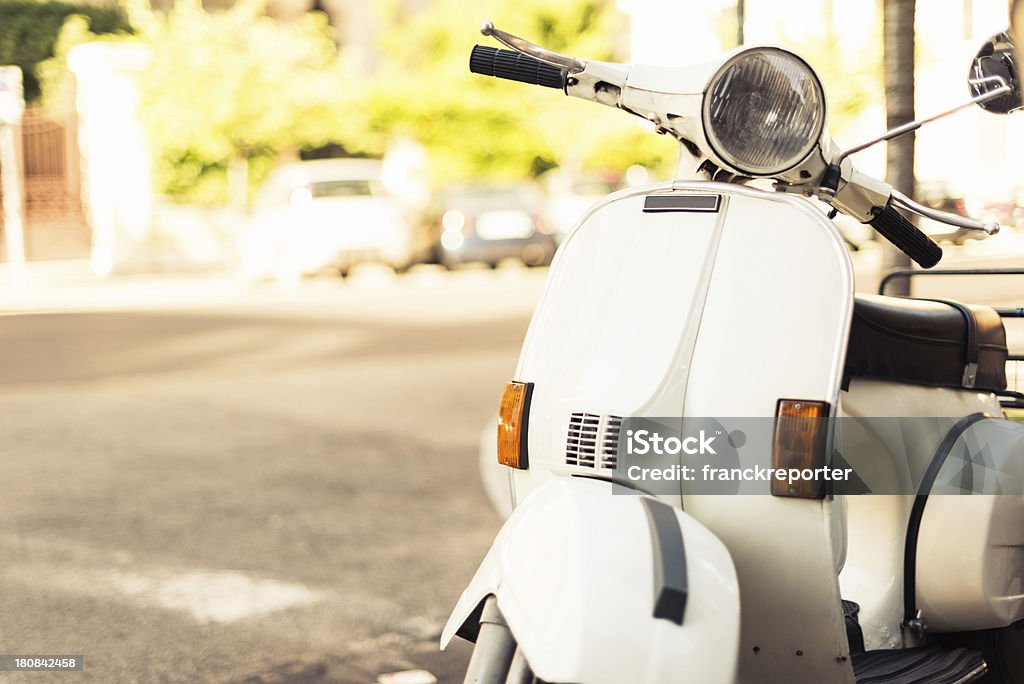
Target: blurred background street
278,489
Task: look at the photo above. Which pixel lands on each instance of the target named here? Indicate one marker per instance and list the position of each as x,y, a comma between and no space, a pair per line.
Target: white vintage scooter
708,298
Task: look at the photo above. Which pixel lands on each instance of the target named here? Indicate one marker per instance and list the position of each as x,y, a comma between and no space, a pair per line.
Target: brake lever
910,205
536,51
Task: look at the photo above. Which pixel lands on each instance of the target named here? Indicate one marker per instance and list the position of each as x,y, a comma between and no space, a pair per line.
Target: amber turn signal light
513,416
798,446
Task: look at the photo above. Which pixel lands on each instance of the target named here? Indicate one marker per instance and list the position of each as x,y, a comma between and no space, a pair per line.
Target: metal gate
54,224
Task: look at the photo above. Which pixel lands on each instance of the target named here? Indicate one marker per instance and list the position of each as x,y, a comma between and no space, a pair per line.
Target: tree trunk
741,20
1017,27
898,31
238,183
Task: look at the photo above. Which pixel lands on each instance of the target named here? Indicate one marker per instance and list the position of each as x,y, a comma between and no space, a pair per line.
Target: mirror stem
911,126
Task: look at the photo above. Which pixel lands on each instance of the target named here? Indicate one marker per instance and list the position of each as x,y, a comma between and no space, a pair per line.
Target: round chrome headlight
764,110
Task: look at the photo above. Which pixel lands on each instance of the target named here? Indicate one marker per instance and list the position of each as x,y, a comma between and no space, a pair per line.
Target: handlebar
670,98
515,66
891,225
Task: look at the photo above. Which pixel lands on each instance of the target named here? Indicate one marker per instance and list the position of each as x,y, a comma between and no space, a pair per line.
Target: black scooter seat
927,342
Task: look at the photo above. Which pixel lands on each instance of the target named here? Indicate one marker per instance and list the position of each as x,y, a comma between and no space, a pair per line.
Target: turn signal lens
513,416
799,446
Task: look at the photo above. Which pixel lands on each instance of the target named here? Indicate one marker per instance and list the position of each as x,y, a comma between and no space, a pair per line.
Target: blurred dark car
939,195
489,224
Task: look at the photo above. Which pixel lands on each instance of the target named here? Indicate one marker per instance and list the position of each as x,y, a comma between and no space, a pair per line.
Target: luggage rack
1009,398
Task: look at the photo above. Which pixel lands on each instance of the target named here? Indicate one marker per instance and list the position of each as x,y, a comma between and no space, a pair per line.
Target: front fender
574,573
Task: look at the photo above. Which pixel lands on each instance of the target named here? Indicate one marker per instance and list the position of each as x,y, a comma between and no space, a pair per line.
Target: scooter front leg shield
601,587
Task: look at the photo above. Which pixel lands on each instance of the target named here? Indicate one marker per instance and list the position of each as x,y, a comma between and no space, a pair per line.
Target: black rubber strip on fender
670,584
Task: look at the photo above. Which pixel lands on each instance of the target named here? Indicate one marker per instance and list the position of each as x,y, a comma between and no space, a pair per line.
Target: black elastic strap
917,512
972,350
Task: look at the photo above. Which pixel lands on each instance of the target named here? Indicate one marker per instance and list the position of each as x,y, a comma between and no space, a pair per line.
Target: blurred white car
327,214
570,196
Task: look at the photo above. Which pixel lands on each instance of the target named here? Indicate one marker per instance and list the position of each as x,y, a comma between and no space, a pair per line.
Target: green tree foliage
852,79
480,127
237,86
29,31
236,89
53,74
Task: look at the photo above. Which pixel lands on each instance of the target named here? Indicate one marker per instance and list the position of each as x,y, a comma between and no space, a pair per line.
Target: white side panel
615,328
971,562
573,573
873,573
774,326
970,553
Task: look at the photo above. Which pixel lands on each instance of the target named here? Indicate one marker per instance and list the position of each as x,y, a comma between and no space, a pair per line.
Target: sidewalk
72,286
427,293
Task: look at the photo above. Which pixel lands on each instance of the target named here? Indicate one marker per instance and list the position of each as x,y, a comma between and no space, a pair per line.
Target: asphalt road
273,489
202,483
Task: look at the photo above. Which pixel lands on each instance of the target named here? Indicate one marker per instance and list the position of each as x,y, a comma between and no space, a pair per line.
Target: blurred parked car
328,214
491,223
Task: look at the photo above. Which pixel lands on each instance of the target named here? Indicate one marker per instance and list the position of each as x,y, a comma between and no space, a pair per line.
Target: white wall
117,188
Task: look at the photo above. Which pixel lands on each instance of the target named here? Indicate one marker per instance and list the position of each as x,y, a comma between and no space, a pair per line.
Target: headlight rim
731,59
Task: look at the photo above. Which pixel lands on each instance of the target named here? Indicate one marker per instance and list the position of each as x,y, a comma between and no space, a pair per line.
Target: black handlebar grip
515,66
892,225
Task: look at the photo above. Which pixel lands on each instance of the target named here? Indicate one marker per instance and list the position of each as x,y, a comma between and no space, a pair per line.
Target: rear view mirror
994,67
